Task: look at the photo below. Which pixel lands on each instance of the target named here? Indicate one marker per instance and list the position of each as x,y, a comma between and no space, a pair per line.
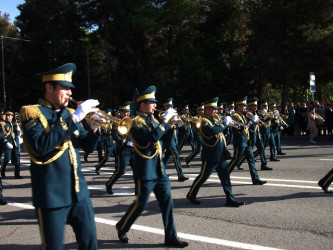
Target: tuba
124,125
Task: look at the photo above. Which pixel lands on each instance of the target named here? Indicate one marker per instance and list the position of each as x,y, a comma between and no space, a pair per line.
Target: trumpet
261,122
195,121
176,119
238,125
124,125
283,123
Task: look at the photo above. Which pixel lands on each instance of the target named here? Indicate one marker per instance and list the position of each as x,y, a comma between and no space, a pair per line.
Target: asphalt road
289,212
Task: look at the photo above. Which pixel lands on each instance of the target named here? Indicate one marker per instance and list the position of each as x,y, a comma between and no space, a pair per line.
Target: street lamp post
3,74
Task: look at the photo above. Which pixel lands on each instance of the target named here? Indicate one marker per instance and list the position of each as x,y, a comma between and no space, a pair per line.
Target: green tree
287,40
9,36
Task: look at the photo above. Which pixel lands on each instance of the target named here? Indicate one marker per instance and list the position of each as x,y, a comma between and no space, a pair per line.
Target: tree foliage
192,50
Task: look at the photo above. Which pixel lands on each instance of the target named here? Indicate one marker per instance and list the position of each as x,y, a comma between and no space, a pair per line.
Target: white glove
276,112
264,112
84,108
9,145
281,128
168,114
255,118
176,118
130,143
18,129
227,120
232,112
97,118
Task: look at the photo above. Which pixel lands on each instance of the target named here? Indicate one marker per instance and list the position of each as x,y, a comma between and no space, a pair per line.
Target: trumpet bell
125,125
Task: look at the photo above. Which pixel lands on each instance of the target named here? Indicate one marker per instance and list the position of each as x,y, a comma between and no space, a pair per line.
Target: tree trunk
285,95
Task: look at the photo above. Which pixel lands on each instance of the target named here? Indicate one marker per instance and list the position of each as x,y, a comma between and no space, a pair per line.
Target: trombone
124,125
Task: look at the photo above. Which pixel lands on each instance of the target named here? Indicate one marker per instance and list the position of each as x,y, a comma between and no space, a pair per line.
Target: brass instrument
195,121
172,120
261,122
283,123
238,125
124,125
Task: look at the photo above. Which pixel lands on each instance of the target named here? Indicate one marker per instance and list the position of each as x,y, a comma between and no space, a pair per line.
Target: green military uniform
326,181
256,139
11,133
185,131
170,142
125,153
148,171
196,137
242,146
214,157
59,190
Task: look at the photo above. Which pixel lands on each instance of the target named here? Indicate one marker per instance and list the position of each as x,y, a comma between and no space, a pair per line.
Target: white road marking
159,231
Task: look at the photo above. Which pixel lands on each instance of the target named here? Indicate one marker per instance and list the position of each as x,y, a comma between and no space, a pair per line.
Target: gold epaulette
136,121
31,112
236,117
206,121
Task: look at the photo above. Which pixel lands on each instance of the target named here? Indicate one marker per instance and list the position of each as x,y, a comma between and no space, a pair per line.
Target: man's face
186,111
166,107
58,96
263,107
253,107
124,113
9,118
210,111
200,111
241,108
148,107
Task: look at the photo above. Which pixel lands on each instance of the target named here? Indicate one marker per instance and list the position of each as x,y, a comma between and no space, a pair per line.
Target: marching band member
185,132
125,153
52,135
241,143
148,170
170,142
214,156
255,136
196,137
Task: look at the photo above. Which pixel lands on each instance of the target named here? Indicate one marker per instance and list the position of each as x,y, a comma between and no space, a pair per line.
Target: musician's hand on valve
84,108
169,114
264,112
176,118
97,118
255,118
227,120
130,143
276,112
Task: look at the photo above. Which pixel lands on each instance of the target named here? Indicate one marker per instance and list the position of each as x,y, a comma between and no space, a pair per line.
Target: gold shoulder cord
5,133
219,136
246,131
136,146
33,112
